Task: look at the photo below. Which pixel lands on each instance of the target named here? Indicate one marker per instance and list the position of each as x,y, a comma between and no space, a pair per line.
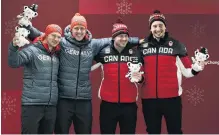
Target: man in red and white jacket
165,61
117,93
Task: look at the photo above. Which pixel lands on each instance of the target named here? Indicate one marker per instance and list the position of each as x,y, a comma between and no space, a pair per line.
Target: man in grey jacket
77,53
40,90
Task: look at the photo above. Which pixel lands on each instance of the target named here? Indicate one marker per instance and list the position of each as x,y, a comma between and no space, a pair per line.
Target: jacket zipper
119,78
50,94
157,48
79,63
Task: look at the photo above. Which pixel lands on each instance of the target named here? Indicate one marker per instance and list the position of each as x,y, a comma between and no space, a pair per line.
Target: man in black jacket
117,93
166,60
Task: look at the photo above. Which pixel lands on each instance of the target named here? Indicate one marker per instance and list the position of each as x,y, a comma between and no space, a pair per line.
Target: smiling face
53,39
79,32
158,29
121,40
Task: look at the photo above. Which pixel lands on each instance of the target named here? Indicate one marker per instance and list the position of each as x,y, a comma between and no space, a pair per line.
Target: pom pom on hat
156,16
78,19
119,28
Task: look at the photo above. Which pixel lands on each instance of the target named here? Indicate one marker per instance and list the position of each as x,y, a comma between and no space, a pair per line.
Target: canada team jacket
162,72
115,87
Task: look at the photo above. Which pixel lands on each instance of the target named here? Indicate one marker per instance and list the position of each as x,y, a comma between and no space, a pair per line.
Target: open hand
16,41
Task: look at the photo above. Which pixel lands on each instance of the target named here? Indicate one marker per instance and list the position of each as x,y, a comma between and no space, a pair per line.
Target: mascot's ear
25,7
207,56
196,52
35,14
128,64
16,28
140,64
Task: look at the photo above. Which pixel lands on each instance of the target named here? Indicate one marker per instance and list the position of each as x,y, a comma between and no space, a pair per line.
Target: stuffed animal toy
133,68
22,34
201,55
28,14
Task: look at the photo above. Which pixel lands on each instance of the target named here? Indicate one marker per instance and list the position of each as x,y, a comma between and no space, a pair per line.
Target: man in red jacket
117,93
165,61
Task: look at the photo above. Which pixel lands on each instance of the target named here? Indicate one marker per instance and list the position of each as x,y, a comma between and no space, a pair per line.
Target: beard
158,35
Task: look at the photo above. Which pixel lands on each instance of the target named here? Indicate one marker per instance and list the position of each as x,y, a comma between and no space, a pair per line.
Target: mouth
123,43
158,32
54,43
79,35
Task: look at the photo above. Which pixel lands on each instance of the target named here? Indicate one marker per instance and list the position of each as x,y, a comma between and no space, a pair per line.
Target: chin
54,45
79,39
124,45
158,36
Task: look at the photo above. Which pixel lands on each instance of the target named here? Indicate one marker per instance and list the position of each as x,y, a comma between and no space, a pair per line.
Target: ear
25,7
16,28
207,56
140,64
35,14
128,64
196,52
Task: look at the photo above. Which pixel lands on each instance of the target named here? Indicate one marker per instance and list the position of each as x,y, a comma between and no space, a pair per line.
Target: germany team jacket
115,87
163,73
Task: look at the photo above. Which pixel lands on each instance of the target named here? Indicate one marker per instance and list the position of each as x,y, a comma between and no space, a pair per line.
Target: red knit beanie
49,29
119,28
78,20
156,16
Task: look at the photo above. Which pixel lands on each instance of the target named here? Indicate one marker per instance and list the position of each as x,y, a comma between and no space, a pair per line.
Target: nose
79,30
158,29
124,38
56,39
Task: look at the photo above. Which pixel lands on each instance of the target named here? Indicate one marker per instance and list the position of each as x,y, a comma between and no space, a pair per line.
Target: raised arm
16,57
34,33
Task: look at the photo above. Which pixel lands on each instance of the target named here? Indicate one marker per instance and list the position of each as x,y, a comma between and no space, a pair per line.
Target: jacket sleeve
17,58
134,41
184,63
99,44
34,33
97,63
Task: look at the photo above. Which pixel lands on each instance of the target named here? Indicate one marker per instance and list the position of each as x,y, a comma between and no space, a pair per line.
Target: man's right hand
15,41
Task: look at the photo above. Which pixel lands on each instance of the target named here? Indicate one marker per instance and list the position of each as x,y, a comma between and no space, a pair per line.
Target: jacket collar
150,38
45,47
126,48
